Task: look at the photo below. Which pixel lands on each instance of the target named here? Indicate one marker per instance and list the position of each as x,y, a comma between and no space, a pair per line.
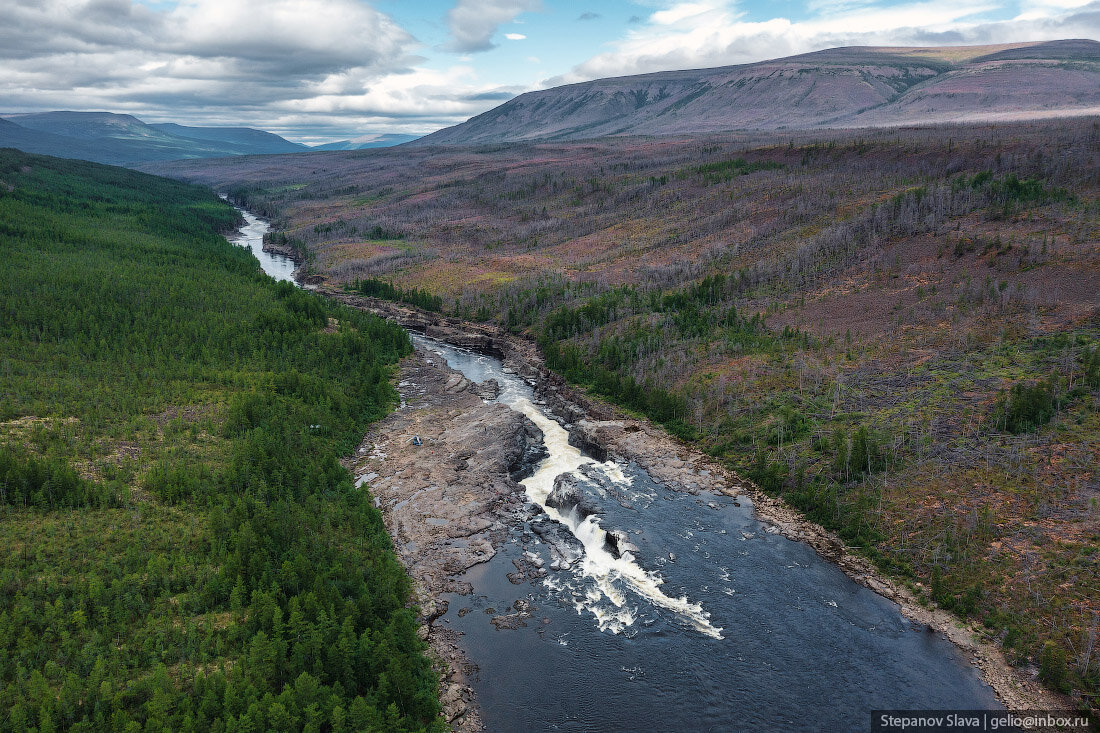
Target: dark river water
712,624
706,623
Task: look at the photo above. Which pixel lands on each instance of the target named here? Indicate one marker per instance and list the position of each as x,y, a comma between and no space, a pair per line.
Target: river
701,621
251,236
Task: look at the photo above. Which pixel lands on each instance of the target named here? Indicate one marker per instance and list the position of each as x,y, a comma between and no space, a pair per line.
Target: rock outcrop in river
568,497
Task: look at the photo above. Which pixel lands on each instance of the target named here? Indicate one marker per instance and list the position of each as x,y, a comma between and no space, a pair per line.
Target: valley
895,331
753,397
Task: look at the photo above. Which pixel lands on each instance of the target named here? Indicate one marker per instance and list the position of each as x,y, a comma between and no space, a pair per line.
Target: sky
324,70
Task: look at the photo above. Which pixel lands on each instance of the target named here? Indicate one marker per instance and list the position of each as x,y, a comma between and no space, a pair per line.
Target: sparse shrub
1052,667
766,474
1091,365
840,451
380,232
1026,408
727,170
374,288
865,455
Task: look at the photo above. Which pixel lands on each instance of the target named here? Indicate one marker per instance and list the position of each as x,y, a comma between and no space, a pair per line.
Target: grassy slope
182,550
841,316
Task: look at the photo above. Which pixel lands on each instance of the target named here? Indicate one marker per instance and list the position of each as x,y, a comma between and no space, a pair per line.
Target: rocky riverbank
282,249
443,521
446,501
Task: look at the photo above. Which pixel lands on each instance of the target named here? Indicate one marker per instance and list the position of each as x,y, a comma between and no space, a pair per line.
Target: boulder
568,496
617,542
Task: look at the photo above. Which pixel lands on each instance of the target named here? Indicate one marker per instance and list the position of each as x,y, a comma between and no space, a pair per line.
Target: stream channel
694,618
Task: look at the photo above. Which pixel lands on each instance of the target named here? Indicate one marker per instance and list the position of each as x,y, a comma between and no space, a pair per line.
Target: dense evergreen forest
181,548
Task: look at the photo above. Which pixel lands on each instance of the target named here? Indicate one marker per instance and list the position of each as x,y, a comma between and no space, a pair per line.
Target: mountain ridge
847,87
121,139
244,136
380,140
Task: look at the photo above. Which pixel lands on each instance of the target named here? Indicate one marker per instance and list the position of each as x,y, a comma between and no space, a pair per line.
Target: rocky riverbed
450,502
446,501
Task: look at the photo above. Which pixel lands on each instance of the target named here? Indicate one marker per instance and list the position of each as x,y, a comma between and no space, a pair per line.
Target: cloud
289,37
426,98
206,61
473,22
515,36
589,16
685,35
694,13
1040,9
36,29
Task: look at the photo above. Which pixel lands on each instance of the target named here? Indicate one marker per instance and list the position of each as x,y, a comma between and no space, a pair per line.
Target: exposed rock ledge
605,432
282,249
446,502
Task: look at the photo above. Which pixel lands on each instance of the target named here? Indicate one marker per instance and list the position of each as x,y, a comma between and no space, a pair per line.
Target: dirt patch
186,413
19,427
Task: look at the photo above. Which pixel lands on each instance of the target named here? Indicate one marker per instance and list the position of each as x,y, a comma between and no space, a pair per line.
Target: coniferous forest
182,549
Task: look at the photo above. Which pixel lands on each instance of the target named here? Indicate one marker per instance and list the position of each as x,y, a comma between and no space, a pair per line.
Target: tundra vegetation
182,549
895,330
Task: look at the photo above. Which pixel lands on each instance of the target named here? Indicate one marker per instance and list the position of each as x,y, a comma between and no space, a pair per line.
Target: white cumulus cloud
195,61
708,33
474,22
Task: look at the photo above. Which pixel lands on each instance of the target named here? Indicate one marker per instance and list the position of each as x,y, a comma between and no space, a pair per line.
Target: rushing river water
251,235
709,624
703,622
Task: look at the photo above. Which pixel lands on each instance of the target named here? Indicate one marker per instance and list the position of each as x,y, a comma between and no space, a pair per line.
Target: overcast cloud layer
332,69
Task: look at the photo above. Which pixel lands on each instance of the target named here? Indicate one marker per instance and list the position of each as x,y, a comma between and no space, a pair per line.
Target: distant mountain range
837,88
119,139
367,141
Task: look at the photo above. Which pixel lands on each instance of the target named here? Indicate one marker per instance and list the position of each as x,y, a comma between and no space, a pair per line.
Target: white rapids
604,577
598,564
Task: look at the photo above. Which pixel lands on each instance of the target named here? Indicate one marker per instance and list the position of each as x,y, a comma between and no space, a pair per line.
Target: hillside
181,548
248,140
836,88
104,137
367,141
897,331
35,141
